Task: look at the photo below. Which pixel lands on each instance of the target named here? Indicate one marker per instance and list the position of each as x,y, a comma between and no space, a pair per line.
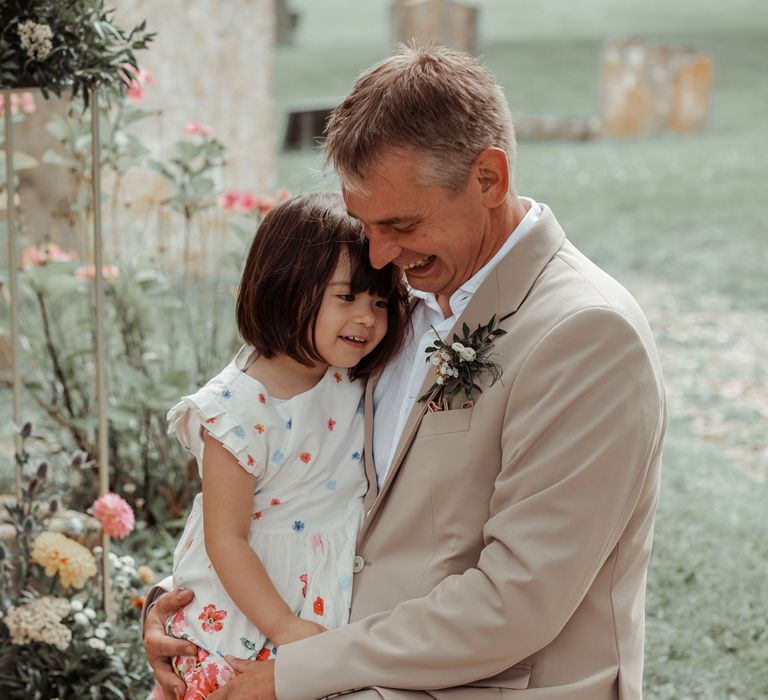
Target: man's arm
583,420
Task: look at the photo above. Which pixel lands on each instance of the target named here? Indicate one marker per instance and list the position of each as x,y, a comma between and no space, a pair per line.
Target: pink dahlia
114,514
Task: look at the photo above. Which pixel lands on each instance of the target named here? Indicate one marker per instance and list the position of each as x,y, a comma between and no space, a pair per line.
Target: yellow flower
63,556
145,574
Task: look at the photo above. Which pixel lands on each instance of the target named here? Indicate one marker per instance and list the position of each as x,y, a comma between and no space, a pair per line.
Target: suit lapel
502,293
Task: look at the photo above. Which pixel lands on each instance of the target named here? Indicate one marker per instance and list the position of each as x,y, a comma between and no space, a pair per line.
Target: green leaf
465,330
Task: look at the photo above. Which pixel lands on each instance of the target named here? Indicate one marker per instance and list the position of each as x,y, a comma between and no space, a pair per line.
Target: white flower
128,561
468,354
39,621
455,372
110,650
440,380
35,39
81,619
444,369
100,632
90,613
435,359
95,643
457,347
445,355
76,605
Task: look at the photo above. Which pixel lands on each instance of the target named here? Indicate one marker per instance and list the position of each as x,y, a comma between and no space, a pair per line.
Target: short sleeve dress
307,453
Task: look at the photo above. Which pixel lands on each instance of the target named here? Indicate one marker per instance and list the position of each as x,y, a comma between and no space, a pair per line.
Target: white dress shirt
402,378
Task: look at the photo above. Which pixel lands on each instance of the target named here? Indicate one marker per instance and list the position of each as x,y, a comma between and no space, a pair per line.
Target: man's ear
492,172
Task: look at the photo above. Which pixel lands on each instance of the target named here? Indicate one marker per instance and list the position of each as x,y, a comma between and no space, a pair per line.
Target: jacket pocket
455,421
516,677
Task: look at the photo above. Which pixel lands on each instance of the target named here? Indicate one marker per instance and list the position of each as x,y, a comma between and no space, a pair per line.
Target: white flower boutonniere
458,365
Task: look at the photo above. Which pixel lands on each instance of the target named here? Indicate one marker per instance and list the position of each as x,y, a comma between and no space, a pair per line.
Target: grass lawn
683,222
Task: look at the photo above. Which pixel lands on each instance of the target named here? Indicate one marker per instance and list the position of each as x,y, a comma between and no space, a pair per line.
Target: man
507,539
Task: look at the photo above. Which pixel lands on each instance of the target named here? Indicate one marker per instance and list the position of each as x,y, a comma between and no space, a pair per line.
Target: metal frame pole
10,210
101,387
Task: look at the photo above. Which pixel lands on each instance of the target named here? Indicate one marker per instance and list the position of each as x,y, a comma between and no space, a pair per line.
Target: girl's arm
227,512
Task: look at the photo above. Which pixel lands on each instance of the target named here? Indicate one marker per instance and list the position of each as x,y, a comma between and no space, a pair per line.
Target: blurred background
643,126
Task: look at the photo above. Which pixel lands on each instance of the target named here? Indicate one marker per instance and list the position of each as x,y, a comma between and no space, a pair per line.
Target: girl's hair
291,261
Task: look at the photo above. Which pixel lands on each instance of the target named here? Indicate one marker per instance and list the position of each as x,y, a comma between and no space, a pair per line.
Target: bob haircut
291,261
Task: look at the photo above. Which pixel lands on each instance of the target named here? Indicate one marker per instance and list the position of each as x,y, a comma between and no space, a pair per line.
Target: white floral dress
306,452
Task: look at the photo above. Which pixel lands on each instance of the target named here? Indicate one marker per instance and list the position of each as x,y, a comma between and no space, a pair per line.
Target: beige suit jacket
507,550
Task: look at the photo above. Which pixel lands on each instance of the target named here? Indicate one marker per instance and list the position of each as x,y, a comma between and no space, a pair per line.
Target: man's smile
419,263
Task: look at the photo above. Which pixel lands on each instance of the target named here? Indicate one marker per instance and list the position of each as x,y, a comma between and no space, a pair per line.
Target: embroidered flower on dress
257,515
277,457
331,424
238,430
303,579
251,461
289,423
263,655
212,619
259,428
337,377
298,526
330,484
262,398
345,582
275,502
305,457
226,393
210,420
356,455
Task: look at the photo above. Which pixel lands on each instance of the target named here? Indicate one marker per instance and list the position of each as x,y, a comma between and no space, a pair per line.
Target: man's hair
441,103
291,261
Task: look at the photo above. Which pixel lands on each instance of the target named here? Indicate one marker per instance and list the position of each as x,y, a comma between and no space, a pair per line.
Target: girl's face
348,326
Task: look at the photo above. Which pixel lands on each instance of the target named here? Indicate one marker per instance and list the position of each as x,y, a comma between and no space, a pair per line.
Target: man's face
436,236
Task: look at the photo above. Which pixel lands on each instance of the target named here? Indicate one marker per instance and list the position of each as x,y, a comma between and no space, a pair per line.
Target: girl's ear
492,171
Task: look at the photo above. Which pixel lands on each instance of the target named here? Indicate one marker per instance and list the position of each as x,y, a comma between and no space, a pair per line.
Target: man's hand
255,682
159,647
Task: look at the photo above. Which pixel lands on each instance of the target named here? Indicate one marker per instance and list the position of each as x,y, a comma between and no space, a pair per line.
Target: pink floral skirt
203,673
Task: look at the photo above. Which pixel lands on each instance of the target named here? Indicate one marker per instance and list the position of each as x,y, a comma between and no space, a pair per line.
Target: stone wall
211,63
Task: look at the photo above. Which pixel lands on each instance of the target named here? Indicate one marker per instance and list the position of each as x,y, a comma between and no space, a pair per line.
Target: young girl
278,437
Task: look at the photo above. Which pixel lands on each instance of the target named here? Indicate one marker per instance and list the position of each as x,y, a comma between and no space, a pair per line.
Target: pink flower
27,102
247,202
197,128
141,77
88,272
229,200
24,102
44,254
265,205
114,514
283,195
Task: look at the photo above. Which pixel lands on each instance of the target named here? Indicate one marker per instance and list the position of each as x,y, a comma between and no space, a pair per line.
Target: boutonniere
459,365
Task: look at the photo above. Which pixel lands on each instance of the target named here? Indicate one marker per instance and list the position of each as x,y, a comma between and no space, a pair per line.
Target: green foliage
99,658
85,48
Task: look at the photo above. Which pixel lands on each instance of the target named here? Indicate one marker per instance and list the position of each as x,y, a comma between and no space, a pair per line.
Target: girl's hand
294,628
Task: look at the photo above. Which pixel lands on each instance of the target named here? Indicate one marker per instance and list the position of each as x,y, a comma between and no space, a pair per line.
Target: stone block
445,22
651,88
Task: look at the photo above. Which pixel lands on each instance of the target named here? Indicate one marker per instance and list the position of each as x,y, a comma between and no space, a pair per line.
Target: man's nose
381,249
